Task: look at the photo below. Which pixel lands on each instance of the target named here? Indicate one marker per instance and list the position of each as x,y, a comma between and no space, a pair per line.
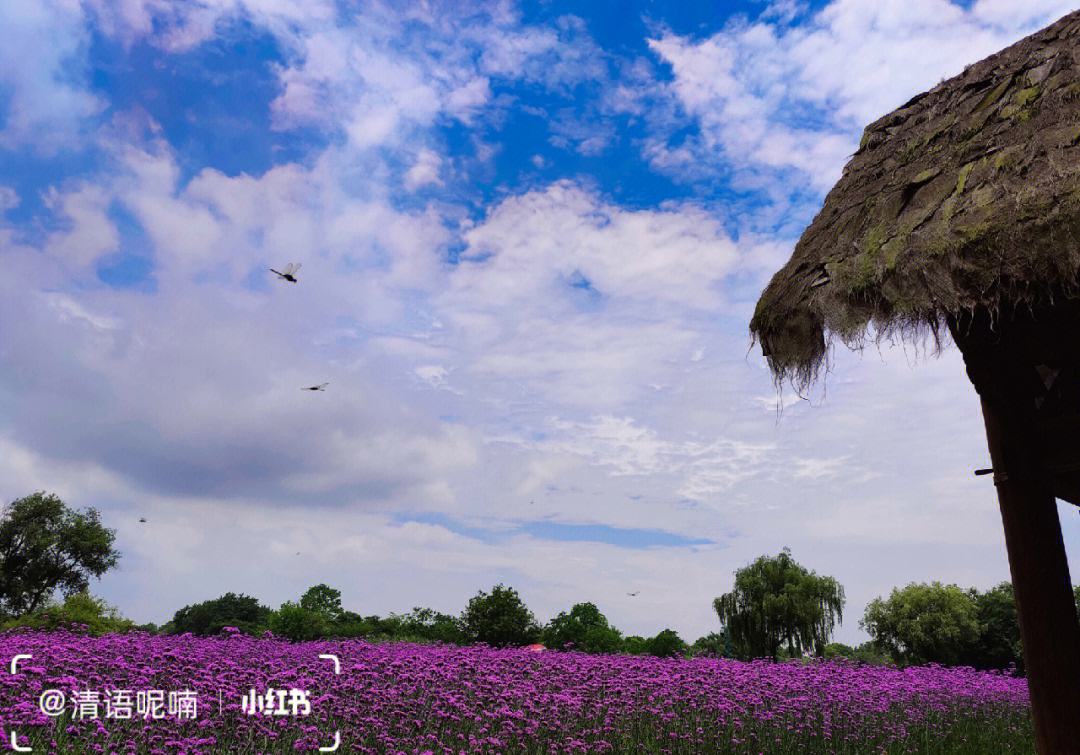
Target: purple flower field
406,698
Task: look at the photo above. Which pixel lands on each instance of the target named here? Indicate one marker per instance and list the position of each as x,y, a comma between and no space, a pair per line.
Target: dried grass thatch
966,197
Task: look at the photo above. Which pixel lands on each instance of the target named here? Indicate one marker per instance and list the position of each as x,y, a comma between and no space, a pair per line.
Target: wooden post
1049,626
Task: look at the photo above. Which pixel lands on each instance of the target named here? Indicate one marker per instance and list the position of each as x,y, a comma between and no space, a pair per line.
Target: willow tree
778,603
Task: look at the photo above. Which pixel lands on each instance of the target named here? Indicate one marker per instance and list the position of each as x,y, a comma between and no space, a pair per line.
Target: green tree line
777,608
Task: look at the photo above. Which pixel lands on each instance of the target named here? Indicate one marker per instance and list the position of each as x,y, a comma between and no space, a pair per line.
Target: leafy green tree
925,623
230,610
499,619
777,602
323,600
867,652
872,653
666,644
714,644
583,628
383,627
999,629
635,645
80,611
351,624
429,625
294,622
837,650
46,546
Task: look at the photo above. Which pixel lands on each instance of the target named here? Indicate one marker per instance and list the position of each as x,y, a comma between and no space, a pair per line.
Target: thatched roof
966,197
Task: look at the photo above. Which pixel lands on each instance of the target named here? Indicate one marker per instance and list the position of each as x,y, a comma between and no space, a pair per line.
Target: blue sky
531,235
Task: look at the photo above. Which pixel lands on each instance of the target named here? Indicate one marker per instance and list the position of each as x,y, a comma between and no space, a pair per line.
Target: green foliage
350,624
428,625
584,628
867,652
925,623
230,610
872,653
46,546
714,645
777,602
635,645
294,622
384,628
499,619
999,629
666,644
80,611
837,650
319,614
323,600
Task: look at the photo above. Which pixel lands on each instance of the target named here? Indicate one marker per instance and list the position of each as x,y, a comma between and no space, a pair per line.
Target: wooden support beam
1049,626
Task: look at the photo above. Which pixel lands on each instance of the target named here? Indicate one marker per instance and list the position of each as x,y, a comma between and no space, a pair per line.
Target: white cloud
821,469
9,199
778,403
374,73
773,97
71,310
225,227
190,394
89,234
381,76
424,172
432,374
536,250
557,57
45,101
583,363
698,470
1027,16
435,376
178,27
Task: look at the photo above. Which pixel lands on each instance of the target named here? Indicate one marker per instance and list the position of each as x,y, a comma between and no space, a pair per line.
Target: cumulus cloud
537,249
190,396
788,102
89,233
541,355
425,171
195,389
376,75
45,101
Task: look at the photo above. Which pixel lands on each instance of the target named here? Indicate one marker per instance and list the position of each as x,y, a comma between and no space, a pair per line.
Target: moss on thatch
968,196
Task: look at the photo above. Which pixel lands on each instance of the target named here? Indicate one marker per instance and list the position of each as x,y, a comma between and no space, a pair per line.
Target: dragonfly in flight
289,273
319,387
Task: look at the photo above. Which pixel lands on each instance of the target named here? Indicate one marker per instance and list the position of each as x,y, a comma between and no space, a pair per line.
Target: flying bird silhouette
634,593
289,273
142,520
319,387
